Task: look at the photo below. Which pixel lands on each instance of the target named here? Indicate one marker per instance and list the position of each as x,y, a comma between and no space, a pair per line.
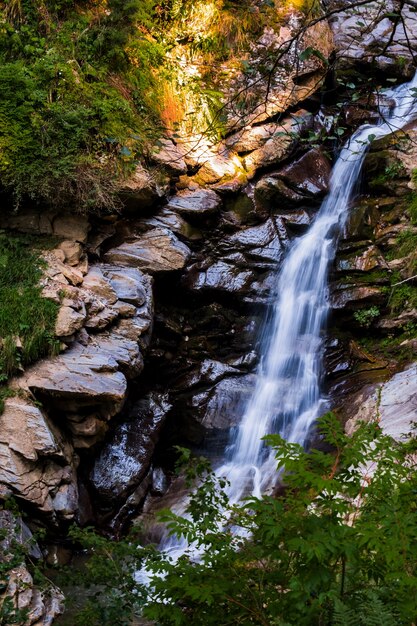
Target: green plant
337,542
365,317
27,320
412,208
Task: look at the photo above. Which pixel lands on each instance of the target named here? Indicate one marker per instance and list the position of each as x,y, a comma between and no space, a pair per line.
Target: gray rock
129,284
83,376
69,321
170,156
217,408
221,276
394,403
157,250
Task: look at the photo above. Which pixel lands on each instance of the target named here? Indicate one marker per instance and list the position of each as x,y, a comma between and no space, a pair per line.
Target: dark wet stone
215,409
309,175
125,460
201,202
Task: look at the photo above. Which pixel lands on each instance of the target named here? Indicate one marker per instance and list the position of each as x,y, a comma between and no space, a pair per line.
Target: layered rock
380,33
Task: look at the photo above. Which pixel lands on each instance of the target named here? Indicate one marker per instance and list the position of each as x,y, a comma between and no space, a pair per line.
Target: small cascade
287,398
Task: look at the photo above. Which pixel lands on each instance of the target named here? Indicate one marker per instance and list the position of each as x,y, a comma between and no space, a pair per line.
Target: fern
364,608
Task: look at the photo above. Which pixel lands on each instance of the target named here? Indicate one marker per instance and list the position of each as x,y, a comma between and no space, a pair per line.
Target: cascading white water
287,396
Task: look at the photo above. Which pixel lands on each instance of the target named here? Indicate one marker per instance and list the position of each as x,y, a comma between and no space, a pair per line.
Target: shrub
336,544
27,320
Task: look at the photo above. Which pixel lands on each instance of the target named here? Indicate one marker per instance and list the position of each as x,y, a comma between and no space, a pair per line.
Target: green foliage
412,208
336,545
27,320
365,317
111,594
77,103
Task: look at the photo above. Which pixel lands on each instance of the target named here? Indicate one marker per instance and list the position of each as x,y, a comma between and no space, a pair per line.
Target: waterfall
287,398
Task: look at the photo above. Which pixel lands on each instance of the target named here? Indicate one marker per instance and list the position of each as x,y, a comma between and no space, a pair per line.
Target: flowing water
287,398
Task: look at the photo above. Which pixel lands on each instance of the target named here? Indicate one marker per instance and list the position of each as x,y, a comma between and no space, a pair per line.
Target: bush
27,320
336,545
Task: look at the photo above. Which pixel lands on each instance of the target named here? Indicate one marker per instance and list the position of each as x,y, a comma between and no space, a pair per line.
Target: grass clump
27,320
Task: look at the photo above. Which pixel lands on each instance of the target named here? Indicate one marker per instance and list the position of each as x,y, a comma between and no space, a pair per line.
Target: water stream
287,398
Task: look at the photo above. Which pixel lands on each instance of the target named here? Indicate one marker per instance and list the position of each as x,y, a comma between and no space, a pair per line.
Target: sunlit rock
141,190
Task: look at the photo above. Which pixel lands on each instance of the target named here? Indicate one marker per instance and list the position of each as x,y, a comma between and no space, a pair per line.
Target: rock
201,202
60,271
24,429
271,192
216,409
394,403
42,606
279,145
140,191
129,284
102,319
369,34
72,250
69,321
345,296
371,258
73,227
174,222
260,94
97,283
63,225
220,276
309,175
219,167
399,321
35,462
125,460
84,376
206,373
261,243
170,156
157,250
17,531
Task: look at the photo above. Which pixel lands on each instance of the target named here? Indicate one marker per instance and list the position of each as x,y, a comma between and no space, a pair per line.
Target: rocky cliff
161,304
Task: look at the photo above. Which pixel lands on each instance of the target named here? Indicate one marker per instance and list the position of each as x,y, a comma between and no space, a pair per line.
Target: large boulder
157,250
36,464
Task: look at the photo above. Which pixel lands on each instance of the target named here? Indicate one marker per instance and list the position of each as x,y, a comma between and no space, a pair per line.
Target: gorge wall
161,304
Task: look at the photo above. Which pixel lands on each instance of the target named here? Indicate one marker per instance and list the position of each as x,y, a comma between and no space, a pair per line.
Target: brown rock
170,156
141,190
73,252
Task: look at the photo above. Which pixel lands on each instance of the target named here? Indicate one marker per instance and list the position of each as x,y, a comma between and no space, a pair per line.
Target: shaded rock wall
181,280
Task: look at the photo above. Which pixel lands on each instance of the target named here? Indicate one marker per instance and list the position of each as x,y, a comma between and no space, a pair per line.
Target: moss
412,208
27,320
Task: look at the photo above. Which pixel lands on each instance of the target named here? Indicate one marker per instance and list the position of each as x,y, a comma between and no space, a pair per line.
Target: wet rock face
373,325
124,462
